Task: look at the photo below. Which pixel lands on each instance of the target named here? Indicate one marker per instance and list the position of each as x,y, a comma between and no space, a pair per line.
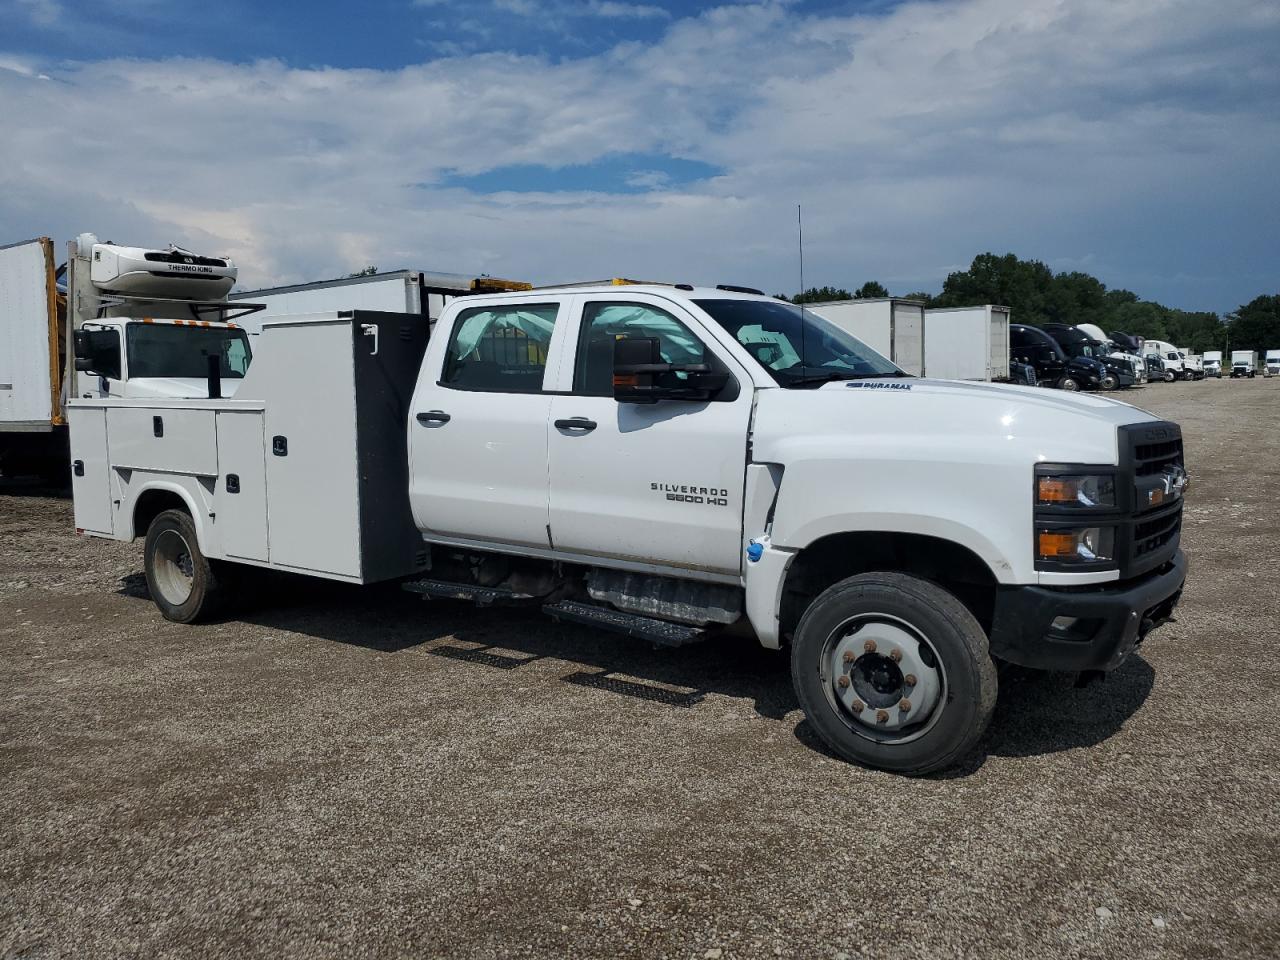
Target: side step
660,632
482,596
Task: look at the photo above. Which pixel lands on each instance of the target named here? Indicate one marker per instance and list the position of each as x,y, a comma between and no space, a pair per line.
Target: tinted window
169,350
603,323
500,349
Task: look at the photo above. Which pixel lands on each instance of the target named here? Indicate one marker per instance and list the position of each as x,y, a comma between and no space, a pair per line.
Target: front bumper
1110,621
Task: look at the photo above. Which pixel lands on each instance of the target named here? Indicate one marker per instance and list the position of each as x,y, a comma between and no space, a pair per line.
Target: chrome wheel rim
883,678
173,567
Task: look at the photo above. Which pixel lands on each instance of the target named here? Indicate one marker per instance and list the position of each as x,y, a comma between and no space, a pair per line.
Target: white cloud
42,13
914,139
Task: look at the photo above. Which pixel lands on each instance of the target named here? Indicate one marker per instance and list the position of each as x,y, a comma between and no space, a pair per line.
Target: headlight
1085,491
1081,545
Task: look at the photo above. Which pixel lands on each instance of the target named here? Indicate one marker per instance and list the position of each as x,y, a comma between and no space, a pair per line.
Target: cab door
478,425
659,483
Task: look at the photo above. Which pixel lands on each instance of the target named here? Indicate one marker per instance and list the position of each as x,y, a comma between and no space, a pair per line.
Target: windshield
168,350
798,347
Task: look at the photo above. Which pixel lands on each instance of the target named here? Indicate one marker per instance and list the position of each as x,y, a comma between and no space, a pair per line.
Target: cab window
500,349
605,322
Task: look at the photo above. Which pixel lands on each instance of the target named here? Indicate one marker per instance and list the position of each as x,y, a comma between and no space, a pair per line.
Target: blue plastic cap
755,551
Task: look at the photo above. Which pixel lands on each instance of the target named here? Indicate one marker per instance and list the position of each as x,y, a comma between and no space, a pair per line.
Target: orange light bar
1057,544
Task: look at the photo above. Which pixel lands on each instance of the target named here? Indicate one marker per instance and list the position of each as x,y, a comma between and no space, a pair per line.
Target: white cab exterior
967,343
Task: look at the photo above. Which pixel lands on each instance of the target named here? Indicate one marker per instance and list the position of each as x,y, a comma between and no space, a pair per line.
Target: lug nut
904,704
909,679
857,706
869,646
895,655
849,656
882,716
843,681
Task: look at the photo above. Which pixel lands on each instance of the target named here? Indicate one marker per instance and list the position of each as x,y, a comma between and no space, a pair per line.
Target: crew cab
671,463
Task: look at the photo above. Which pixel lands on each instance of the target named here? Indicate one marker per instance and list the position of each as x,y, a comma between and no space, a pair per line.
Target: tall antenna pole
800,229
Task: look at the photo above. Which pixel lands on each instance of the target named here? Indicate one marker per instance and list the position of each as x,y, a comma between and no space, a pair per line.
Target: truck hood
175,388
944,420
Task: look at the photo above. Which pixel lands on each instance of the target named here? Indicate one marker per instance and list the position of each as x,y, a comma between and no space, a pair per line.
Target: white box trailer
967,343
400,291
33,358
891,326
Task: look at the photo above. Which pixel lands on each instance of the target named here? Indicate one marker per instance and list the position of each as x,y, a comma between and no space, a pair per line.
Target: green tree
368,271
1021,285
821,295
870,290
920,295
1256,325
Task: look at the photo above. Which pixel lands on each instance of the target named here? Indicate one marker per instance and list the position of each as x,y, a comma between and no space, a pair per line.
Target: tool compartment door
90,470
240,491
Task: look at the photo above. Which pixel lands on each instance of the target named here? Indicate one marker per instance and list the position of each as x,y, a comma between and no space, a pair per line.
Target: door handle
433,416
577,423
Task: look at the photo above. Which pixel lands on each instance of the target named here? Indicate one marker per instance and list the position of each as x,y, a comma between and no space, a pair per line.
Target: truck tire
1069,383
1109,382
894,672
183,582
1170,376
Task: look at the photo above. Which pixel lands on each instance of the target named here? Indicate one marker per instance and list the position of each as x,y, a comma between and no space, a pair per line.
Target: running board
481,596
663,633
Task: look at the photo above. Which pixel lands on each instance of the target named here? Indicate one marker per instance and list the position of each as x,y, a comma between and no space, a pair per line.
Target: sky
560,140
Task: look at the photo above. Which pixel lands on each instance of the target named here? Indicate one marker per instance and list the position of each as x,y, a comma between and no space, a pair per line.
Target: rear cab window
500,348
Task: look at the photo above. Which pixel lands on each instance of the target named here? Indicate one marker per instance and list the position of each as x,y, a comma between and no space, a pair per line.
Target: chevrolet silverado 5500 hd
669,462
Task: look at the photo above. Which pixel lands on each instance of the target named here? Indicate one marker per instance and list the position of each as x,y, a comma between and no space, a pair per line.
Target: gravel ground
343,772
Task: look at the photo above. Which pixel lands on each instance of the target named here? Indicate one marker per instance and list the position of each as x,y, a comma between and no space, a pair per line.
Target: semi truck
891,326
1213,364
967,343
1272,367
1078,344
423,293
1117,350
674,464
1244,363
1169,360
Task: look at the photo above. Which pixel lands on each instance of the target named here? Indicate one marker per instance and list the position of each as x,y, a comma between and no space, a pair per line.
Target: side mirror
641,376
98,351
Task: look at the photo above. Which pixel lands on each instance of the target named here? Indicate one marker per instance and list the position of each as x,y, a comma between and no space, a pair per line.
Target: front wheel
1109,382
1169,376
1069,383
184,583
893,672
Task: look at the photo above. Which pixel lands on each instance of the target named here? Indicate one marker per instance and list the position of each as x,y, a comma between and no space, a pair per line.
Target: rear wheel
1169,376
184,584
894,672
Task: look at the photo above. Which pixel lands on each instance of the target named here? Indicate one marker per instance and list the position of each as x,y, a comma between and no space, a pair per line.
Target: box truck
399,291
1244,363
1213,363
1272,367
669,463
892,327
967,343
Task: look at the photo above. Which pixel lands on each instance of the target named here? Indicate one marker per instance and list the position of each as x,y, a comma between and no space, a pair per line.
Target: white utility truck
149,318
1244,363
1173,364
399,291
1213,363
891,326
670,462
1272,367
967,343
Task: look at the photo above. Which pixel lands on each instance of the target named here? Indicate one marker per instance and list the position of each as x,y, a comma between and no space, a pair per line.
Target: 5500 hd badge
712,496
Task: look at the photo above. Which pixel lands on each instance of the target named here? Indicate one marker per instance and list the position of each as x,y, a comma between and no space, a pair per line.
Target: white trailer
1272,367
891,326
33,349
400,291
967,343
